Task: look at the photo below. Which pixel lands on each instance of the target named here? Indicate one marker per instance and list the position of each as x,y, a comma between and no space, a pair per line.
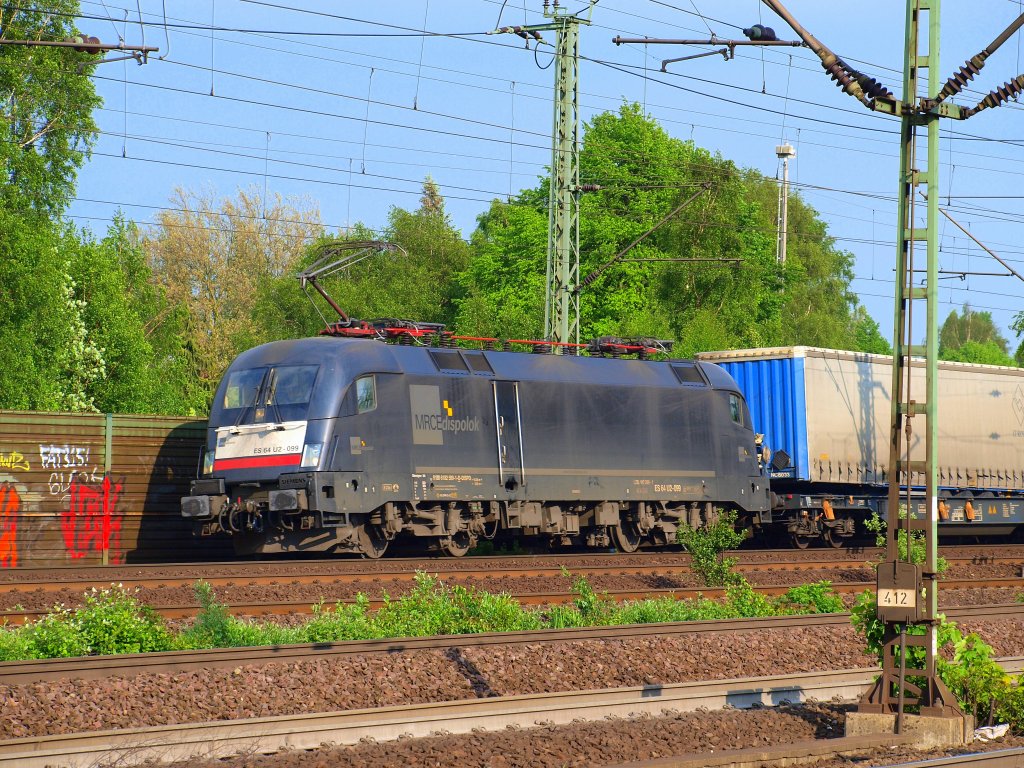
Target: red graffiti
90,523
10,504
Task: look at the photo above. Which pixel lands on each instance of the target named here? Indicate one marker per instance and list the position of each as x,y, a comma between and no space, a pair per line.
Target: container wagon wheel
372,542
833,539
627,537
800,542
457,545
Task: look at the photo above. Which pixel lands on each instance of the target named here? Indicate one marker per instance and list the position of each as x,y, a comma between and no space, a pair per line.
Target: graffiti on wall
91,522
10,505
69,463
14,460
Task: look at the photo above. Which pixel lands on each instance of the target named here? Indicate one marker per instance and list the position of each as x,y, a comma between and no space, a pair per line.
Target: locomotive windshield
279,393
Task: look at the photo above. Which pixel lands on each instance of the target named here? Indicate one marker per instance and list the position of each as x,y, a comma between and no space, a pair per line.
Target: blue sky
344,104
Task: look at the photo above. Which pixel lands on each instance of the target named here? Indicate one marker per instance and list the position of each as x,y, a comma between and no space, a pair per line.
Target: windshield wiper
272,396
255,399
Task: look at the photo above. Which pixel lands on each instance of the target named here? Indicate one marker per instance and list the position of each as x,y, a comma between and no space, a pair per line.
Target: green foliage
810,598
342,622
867,336
16,644
706,546
981,353
864,617
57,635
706,304
966,327
916,541
964,663
433,608
46,104
109,621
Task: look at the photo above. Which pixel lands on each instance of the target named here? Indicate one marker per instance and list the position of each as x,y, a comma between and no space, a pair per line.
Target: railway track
264,608
219,739
259,573
94,667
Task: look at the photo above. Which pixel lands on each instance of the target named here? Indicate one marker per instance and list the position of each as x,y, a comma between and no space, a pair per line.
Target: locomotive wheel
627,537
833,539
458,544
800,542
372,543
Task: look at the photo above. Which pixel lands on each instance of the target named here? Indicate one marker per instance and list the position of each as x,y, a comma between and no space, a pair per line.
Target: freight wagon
825,414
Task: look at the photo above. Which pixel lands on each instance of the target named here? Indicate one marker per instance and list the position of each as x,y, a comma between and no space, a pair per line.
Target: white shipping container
830,410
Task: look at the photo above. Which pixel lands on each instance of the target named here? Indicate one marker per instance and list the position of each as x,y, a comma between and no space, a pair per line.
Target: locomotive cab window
366,394
279,393
242,388
735,409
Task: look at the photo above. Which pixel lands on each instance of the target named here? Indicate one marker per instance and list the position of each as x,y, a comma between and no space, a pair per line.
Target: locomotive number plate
897,598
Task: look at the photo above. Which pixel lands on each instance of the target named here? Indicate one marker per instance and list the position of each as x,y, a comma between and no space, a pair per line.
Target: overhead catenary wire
519,160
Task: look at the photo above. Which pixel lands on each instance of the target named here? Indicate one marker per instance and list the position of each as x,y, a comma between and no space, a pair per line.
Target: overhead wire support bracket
586,281
728,52
865,89
92,45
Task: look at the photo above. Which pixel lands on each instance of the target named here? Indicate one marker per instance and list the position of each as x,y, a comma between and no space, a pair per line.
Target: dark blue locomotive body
343,444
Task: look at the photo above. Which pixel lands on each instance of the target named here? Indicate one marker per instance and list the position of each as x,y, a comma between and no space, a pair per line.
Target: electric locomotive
342,444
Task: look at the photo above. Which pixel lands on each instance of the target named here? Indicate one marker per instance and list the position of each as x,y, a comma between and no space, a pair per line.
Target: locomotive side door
510,436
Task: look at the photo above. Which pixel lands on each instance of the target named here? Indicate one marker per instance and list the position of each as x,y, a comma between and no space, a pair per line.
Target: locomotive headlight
311,454
208,463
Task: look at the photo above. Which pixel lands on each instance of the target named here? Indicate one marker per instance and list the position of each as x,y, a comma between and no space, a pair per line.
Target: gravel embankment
69,706
606,743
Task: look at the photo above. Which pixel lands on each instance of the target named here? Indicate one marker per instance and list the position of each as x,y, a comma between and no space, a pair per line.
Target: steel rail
96,667
997,758
292,607
814,751
405,575
234,573
217,739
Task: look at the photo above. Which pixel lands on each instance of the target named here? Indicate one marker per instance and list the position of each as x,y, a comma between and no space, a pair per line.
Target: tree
416,283
138,329
1017,326
984,353
968,326
46,103
48,356
867,336
211,258
675,284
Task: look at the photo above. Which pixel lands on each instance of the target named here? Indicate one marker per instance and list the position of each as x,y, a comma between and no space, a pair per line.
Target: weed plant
964,663
112,620
706,546
109,621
